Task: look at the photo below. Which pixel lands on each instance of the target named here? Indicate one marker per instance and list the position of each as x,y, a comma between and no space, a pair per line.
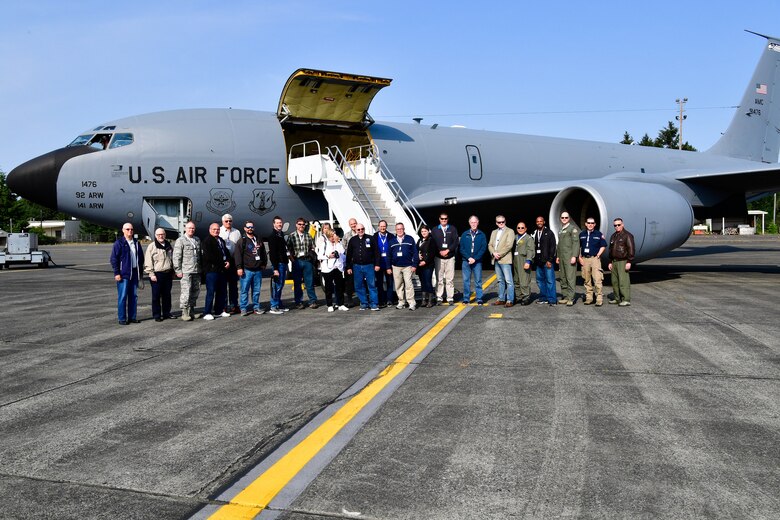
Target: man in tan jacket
500,245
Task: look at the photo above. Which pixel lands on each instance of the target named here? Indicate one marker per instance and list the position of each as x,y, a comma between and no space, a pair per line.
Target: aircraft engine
659,217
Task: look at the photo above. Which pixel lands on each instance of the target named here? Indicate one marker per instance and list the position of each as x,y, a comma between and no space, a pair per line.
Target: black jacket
214,256
546,247
427,252
362,251
245,252
277,249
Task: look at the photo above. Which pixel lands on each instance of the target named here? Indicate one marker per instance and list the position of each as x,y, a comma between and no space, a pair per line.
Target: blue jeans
386,295
545,279
216,293
506,286
277,286
251,280
364,276
474,270
161,294
303,271
127,298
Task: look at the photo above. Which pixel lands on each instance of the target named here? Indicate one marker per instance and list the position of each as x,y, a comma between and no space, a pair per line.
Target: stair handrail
372,153
303,153
337,156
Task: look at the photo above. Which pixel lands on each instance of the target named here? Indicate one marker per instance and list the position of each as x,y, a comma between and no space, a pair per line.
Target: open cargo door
316,97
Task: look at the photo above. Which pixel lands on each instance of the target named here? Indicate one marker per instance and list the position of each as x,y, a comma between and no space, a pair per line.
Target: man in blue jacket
473,244
404,259
127,261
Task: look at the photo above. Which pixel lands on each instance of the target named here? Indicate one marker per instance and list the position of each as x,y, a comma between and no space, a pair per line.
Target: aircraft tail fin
754,132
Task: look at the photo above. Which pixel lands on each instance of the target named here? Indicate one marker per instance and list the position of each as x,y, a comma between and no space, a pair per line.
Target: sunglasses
249,227
617,225
590,222
564,218
500,221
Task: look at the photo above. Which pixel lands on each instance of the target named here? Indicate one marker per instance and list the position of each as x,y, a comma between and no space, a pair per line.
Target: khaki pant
190,289
445,277
621,283
402,276
593,275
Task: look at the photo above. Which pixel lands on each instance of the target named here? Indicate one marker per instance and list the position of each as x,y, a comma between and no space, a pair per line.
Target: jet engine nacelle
659,217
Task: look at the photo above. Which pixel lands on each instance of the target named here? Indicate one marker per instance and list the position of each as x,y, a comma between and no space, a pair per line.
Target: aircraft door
169,214
475,162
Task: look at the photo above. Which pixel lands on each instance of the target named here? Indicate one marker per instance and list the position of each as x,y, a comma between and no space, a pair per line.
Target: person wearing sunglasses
522,260
592,246
621,254
250,258
500,245
445,239
230,235
568,251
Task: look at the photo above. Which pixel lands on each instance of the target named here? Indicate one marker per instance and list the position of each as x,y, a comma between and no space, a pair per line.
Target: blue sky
584,70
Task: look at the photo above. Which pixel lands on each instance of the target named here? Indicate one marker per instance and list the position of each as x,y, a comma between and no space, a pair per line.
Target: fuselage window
121,140
475,162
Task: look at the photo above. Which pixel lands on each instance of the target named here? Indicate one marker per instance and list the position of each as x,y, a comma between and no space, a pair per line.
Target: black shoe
314,305
133,321
123,323
158,319
525,302
299,306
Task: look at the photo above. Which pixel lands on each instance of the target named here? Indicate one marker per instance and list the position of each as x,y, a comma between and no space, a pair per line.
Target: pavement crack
178,498
78,381
258,452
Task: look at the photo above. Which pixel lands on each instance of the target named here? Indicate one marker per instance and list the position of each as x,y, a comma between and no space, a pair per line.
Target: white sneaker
225,315
412,307
343,308
399,306
331,308
275,310
208,317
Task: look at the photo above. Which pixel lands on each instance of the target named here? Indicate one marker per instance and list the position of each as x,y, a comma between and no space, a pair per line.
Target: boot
185,314
195,315
431,300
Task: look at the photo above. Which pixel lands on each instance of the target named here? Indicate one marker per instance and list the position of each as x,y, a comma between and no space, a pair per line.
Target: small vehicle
22,248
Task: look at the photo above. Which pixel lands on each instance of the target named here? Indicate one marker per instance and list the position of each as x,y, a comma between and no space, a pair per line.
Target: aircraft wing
764,177
463,194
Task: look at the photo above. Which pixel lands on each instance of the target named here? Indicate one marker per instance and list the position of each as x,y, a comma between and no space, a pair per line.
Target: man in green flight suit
568,251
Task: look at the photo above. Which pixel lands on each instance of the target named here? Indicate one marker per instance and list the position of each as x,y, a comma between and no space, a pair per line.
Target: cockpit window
81,140
100,141
121,140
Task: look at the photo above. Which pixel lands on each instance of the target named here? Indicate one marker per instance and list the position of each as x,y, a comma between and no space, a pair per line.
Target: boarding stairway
356,183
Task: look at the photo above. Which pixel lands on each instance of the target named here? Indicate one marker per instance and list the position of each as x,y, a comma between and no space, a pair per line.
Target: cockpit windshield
103,140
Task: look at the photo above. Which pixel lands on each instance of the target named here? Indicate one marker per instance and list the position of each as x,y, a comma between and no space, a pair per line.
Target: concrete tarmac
669,408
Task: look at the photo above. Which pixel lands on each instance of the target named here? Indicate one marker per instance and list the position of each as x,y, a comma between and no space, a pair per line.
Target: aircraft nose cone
36,180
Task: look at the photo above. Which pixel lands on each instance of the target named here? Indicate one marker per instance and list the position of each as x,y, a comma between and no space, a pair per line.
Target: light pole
681,118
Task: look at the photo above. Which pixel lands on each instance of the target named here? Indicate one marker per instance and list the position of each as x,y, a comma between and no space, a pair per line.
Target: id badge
538,251
257,257
516,253
444,245
399,253
384,254
586,250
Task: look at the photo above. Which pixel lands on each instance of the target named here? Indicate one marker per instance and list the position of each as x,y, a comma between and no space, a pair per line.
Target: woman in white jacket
332,259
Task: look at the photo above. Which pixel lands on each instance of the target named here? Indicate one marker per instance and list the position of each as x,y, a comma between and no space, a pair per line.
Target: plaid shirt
299,248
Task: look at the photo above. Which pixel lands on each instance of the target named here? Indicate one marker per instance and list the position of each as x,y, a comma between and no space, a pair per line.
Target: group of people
377,268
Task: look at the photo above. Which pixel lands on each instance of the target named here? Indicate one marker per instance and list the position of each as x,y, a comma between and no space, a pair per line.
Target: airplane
323,157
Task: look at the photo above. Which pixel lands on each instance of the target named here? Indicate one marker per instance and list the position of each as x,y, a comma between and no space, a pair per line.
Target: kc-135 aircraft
321,156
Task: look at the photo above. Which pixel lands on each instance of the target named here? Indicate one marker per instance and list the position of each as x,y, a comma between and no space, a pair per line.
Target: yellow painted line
496,315
257,495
